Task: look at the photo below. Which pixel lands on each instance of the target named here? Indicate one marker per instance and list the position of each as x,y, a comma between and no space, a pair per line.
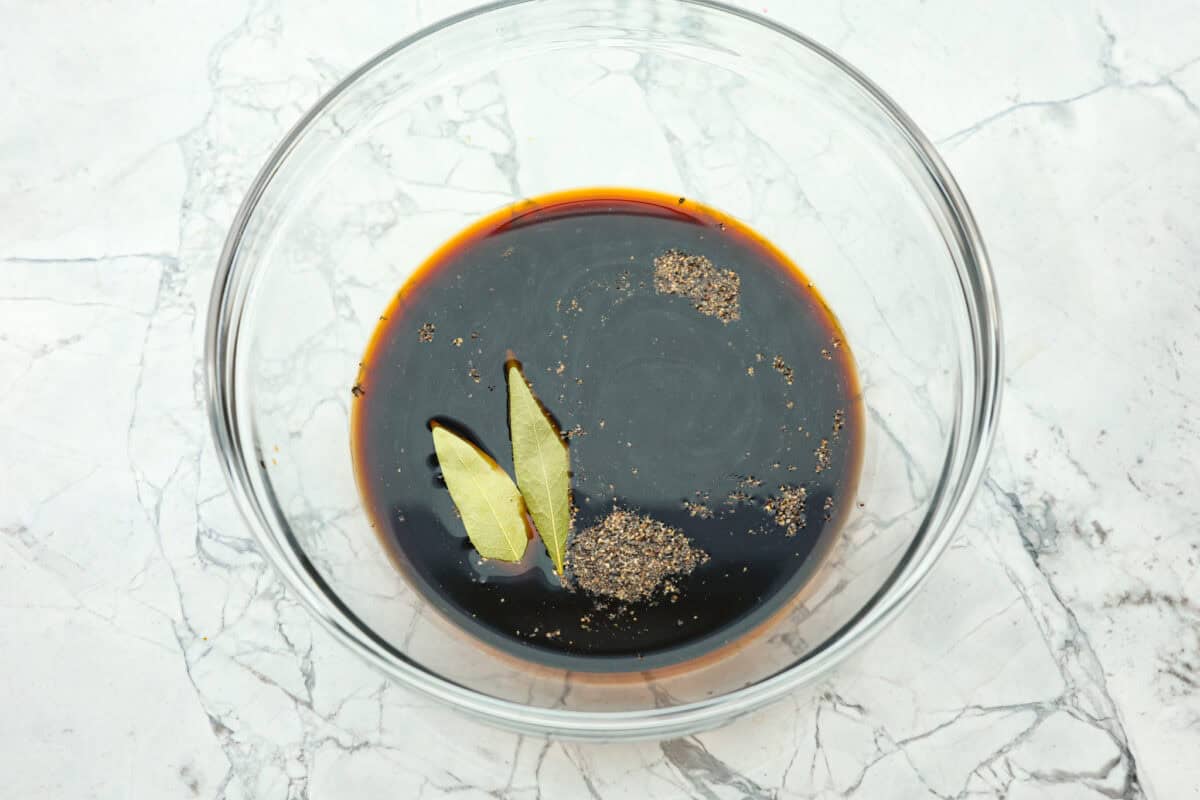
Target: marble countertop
148,651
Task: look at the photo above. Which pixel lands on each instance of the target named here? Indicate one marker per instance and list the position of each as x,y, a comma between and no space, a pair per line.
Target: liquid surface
666,406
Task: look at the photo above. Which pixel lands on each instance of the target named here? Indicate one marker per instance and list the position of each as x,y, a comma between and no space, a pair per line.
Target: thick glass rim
965,465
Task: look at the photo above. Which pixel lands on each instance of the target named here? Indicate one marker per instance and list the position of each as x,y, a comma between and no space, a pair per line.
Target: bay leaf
491,507
542,463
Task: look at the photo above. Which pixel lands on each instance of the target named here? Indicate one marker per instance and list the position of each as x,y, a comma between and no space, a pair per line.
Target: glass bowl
521,99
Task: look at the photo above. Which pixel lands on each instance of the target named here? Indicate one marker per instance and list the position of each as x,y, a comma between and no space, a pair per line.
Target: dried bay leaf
491,507
542,463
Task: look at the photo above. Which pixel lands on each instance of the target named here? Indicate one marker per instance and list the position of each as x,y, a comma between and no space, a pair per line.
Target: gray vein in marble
1114,83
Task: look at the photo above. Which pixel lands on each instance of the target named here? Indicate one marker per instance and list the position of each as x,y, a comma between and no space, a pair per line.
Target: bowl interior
536,97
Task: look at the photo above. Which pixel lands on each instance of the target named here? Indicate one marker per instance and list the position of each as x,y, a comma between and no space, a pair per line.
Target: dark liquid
670,403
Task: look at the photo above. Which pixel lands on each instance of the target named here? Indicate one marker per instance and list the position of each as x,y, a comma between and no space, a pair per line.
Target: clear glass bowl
524,98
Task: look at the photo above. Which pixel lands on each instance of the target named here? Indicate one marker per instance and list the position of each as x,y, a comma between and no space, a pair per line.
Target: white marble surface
147,651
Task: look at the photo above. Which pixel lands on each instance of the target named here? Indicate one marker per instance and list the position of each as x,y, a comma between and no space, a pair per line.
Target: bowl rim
979,294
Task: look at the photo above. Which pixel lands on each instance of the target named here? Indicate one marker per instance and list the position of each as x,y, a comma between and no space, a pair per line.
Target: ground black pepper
627,556
783,369
788,508
824,457
713,292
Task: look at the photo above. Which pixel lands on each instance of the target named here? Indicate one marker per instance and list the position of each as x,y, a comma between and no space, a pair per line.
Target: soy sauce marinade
705,419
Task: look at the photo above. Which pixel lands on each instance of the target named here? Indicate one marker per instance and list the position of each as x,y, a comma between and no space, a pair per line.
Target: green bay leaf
542,463
491,507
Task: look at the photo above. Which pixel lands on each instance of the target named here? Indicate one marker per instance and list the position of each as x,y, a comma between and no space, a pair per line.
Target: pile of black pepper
627,556
824,457
788,508
783,369
713,291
